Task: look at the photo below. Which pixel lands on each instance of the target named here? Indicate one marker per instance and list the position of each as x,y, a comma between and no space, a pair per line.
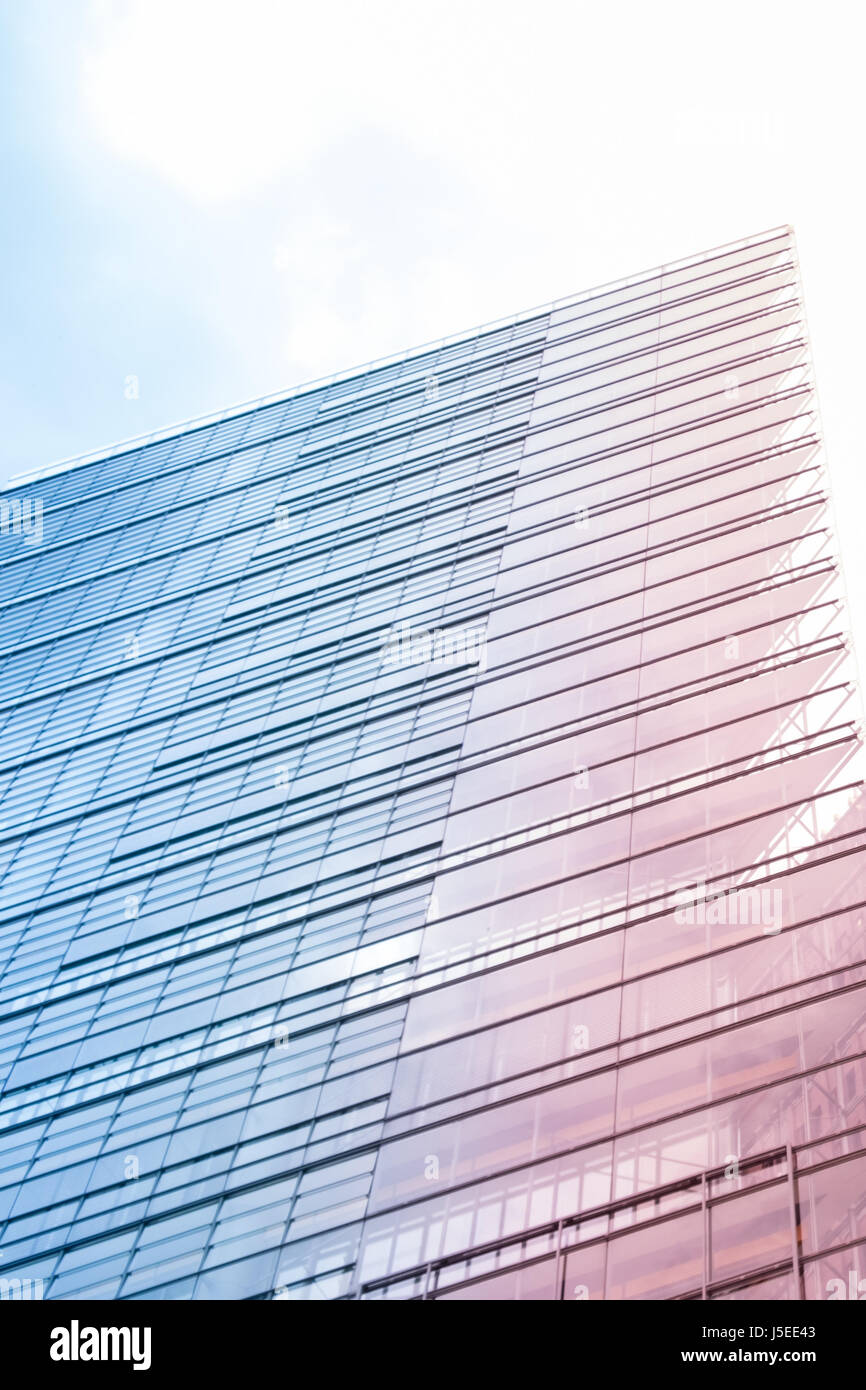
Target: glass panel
657,1261
750,1230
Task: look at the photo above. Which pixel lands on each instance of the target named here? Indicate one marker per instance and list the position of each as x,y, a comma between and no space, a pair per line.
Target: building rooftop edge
318,383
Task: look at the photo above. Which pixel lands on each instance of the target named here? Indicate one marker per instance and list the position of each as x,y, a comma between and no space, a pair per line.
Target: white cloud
217,98
222,97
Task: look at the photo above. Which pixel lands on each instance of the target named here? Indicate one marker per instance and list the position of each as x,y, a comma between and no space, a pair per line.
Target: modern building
433,841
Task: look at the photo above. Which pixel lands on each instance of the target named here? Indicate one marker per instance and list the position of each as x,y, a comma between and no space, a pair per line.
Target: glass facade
432,832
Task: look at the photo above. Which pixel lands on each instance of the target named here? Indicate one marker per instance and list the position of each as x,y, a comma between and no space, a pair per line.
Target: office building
433,833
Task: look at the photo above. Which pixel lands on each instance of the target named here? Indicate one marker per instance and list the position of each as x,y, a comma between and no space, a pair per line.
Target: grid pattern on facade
432,834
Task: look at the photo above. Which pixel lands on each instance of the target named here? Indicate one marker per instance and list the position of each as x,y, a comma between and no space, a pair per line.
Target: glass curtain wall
433,829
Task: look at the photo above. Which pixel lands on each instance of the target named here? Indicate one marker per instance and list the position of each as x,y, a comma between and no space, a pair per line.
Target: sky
208,202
